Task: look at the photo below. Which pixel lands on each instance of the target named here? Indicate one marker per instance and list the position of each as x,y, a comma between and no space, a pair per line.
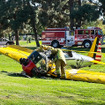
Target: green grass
15,90
24,43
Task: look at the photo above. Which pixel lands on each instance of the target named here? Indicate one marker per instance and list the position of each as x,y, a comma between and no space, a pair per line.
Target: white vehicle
4,41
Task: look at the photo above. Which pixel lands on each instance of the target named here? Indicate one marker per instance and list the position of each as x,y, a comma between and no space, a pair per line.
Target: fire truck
57,37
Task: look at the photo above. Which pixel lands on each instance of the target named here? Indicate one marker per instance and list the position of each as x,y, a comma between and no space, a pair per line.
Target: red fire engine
65,37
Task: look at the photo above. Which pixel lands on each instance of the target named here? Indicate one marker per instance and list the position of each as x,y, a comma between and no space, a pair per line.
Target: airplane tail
96,47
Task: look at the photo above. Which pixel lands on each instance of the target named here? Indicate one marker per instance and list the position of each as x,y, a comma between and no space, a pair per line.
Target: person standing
58,57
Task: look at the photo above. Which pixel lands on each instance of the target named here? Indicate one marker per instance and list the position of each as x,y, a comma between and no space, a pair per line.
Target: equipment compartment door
70,40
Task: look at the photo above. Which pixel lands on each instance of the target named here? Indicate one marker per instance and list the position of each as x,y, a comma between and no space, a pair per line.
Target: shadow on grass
21,75
14,74
26,76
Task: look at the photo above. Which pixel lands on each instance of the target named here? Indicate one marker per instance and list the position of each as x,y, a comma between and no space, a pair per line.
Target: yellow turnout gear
59,59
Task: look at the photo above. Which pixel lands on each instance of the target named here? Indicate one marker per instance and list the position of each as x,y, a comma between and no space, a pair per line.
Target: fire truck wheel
55,44
87,44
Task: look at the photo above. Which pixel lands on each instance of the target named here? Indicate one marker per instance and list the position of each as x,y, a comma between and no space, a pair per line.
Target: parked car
4,41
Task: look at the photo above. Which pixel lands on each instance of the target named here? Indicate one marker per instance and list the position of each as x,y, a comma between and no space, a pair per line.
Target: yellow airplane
77,61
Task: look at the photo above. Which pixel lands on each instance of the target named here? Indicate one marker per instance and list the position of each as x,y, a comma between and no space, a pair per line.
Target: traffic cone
98,54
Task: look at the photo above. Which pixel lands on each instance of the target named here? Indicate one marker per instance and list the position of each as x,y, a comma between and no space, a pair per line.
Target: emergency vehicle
64,37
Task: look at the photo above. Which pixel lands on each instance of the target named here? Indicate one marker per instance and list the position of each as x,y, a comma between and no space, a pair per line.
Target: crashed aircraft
77,61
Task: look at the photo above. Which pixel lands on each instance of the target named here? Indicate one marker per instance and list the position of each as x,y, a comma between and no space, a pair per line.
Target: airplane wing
82,75
97,62
15,52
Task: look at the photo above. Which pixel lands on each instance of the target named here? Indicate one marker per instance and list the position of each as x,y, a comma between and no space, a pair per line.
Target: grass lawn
15,90
24,43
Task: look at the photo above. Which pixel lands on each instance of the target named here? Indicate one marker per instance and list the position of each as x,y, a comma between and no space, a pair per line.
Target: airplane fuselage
78,60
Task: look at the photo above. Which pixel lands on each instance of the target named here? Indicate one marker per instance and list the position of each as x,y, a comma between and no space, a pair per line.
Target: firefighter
58,57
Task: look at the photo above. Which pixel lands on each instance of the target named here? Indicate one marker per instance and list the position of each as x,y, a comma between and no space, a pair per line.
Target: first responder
58,58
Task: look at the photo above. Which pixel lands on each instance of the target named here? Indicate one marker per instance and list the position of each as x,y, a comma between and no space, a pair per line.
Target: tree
51,15
28,15
19,13
4,21
33,18
60,13
83,13
70,10
10,16
102,8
